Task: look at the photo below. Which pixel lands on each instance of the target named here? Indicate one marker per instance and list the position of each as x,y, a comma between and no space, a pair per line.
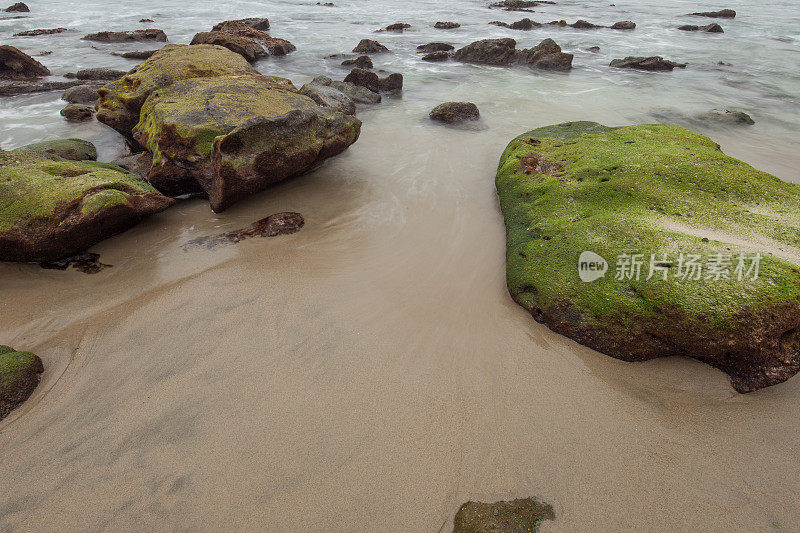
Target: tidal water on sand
370,372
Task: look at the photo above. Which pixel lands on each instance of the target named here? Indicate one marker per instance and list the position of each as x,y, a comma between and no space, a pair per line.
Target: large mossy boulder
72,149
633,211
51,208
236,135
19,376
121,100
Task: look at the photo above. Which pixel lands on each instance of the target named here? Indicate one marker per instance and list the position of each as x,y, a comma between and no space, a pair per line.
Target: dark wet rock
368,46
371,81
649,177
326,4
518,516
519,5
446,25
361,62
71,149
98,74
149,35
360,95
723,14
398,27
434,47
727,117
81,94
585,25
29,87
36,33
141,55
454,112
236,135
78,112
138,164
252,29
593,49
437,56
562,23
19,7
63,207
86,262
257,23
711,28
329,97
271,226
524,24
19,377
546,55
654,63
17,65
624,25
145,21
244,46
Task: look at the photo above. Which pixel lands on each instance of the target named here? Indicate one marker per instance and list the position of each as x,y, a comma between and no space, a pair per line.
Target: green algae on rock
52,208
236,135
19,376
72,149
121,100
659,191
518,516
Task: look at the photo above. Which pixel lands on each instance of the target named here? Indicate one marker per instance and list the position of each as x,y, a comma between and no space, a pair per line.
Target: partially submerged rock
624,25
434,47
454,112
19,7
710,28
371,81
329,97
257,23
36,33
252,30
271,226
524,24
437,56
81,94
368,46
579,198
444,25
77,112
360,95
27,87
19,376
139,55
722,13
518,516
54,208
72,149
150,35
17,65
98,74
236,135
728,117
361,62
653,63
546,55
244,46
398,27
121,100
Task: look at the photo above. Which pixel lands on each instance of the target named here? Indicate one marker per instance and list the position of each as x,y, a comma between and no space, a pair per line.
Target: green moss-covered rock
19,376
659,191
72,149
235,135
518,516
121,100
54,208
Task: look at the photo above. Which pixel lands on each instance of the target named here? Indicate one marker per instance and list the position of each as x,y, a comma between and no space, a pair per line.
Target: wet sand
368,373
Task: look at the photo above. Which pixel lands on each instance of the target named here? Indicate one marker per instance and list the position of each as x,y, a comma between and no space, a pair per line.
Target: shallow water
370,372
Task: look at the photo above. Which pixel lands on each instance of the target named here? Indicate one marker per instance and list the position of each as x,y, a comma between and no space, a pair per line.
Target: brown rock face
244,46
361,62
17,65
721,14
446,25
454,112
546,55
127,36
711,28
654,63
261,24
371,81
253,29
368,46
434,47
19,7
624,25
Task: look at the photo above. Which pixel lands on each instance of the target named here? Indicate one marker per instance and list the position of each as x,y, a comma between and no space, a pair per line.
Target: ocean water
762,46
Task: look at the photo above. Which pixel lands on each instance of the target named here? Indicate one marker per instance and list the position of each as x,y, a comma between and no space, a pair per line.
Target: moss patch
19,376
518,516
72,149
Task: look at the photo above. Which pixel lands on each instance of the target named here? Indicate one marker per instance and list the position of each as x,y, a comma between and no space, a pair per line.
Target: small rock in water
722,13
454,112
35,33
437,56
593,49
127,36
624,25
19,7
327,96
86,262
654,63
711,28
522,515
446,25
729,117
146,20
434,47
371,81
98,74
77,112
145,54
361,62
398,27
277,224
585,25
368,46
81,94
